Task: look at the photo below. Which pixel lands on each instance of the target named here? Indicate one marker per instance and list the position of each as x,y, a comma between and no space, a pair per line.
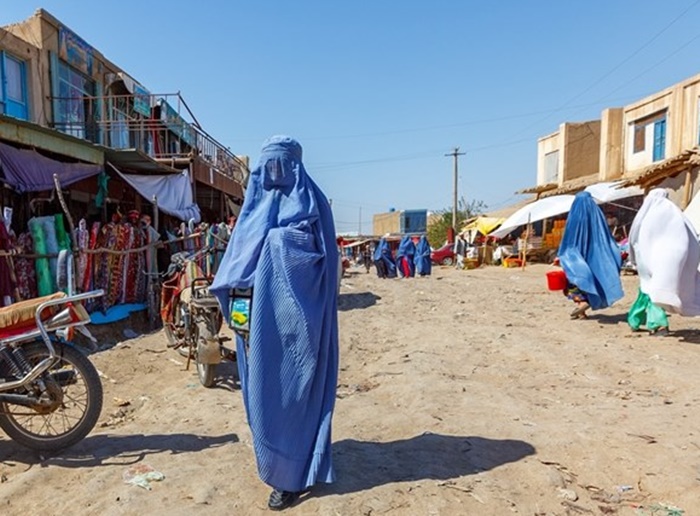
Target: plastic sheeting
609,192
692,212
538,210
29,171
173,193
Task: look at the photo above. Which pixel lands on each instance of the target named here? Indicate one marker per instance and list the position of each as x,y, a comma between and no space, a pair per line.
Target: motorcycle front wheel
73,402
207,328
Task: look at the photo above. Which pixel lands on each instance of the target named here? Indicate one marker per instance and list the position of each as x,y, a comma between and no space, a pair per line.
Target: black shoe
280,500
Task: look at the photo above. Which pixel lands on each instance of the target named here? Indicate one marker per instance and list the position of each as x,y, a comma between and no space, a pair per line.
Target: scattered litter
623,489
176,361
648,438
142,475
660,509
129,333
121,403
568,494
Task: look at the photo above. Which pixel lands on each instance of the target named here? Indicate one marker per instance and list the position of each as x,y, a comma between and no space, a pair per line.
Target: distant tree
437,229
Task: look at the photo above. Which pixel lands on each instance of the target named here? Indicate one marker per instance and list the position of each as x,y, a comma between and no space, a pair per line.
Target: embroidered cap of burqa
284,248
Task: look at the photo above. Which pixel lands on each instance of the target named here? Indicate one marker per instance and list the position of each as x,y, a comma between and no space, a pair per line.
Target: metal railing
161,126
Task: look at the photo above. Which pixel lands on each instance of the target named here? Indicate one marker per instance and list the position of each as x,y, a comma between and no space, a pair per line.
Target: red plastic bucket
556,280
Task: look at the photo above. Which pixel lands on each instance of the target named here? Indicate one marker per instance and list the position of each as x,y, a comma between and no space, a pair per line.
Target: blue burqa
589,255
284,248
422,257
404,257
383,253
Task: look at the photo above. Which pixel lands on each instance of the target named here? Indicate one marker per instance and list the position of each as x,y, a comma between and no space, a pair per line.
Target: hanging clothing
404,257
284,248
665,250
645,313
422,257
589,255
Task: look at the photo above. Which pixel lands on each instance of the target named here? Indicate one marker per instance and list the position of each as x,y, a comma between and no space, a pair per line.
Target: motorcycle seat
22,312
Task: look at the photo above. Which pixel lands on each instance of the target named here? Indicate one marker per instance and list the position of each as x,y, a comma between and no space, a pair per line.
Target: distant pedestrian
384,260
422,257
366,257
404,258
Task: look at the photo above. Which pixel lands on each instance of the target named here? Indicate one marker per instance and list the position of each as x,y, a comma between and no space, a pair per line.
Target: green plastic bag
645,313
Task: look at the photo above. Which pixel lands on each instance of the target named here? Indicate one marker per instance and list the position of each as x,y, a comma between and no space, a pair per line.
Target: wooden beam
43,139
686,189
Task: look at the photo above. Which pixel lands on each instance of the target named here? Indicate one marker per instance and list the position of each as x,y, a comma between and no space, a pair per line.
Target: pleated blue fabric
284,247
589,255
383,253
422,257
404,257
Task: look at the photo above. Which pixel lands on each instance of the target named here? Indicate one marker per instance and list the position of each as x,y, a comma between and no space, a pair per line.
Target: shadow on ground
364,465
110,450
686,335
608,318
357,301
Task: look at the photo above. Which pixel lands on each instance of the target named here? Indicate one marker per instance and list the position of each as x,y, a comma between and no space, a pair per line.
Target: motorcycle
50,393
191,317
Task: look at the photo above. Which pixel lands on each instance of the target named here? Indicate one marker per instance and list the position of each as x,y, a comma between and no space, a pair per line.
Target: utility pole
455,154
359,223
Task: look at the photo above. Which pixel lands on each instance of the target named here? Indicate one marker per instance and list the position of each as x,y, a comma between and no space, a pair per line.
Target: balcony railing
161,126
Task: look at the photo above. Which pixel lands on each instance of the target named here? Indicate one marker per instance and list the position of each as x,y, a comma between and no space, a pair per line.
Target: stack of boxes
553,238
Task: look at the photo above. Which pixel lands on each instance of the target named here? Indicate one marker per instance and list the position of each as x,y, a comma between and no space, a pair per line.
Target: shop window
13,87
655,127
75,104
551,167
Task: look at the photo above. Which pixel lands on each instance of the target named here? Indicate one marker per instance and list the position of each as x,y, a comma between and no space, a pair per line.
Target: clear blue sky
377,92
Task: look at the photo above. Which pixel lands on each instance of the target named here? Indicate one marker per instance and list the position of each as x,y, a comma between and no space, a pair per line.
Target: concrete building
400,222
64,98
651,142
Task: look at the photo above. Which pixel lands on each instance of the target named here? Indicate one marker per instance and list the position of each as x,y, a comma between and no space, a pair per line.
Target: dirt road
469,392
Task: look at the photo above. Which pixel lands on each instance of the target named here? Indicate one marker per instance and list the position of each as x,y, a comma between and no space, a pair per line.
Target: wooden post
686,189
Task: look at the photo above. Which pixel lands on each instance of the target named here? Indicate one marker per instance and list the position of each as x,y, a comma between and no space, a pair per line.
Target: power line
616,67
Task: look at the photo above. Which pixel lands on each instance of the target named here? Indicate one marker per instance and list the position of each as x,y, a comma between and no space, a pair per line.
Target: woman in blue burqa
404,257
284,249
590,258
422,257
384,261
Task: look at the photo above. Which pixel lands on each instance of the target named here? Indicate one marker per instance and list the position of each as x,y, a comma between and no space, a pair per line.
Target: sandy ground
469,392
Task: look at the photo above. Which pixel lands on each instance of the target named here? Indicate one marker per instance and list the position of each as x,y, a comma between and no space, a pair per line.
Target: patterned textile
82,236
24,267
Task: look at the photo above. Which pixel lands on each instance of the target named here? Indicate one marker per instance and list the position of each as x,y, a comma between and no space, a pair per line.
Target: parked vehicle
191,317
50,392
445,255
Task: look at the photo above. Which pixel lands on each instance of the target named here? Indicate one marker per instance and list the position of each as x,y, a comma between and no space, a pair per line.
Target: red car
443,256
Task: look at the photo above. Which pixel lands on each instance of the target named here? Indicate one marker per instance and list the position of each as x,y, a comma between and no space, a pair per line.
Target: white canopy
558,204
538,210
608,192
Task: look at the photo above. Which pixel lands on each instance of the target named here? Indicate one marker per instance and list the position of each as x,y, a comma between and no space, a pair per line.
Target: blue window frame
659,139
13,87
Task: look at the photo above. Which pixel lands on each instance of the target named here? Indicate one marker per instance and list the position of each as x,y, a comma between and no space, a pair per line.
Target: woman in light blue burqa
284,248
